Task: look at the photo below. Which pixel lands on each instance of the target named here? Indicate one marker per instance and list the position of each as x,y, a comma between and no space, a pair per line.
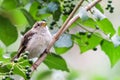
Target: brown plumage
35,40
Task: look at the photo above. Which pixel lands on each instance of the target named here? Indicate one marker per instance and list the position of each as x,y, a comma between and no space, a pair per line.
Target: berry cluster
28,72
109,6
8,75
68,6
27,69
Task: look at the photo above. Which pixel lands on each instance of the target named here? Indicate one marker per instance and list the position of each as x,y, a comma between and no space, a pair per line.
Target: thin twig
60,31
92,4
65,26
57,35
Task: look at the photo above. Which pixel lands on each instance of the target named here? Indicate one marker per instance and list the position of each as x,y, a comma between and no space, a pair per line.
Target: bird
35,41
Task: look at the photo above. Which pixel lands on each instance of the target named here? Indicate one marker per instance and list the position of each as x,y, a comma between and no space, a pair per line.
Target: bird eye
38,24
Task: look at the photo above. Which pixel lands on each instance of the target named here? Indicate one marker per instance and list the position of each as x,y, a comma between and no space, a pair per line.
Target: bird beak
44,24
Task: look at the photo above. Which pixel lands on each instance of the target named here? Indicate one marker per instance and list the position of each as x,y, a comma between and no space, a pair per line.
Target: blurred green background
92,65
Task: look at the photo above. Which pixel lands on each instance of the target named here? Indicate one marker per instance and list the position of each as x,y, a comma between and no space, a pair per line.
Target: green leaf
24,62
1,53
61,50
23,2
43,75
29,18
106,26
19,70
54,61
52,7
56,15
8,32
99,7
9,4
86,23
111,51
64,17
43,14
16,17
86,43
4,69
63,44
119,31
34,9
83,14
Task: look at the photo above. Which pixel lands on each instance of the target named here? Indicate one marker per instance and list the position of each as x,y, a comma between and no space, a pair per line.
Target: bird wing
26,38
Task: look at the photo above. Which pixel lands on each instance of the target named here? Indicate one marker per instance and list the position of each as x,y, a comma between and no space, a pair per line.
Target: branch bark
65,26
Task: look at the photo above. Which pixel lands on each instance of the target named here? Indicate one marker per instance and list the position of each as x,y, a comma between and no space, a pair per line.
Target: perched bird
35,40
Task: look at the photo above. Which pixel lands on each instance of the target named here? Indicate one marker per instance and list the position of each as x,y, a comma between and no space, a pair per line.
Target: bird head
40,24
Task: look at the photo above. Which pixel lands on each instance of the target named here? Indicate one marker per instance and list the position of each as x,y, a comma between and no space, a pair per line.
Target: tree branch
65,26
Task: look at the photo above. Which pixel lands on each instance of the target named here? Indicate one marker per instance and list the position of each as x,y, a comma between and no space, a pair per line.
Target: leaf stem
105,37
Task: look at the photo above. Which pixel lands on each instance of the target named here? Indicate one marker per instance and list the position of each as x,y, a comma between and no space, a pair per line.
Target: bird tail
15,57
20,50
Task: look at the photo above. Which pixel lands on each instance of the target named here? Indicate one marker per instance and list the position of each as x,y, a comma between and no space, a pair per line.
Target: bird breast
38,44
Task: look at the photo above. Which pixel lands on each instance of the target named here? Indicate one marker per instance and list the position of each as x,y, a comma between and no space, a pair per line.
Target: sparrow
35,41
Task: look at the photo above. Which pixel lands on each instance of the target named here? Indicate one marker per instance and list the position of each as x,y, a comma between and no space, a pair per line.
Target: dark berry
11,72
27,74
94,49
82,33
65,5
39,7
27,67
89,35
29,70
25,56
64,10
28,77
107,8
111,11
11,79
53,23
109,1
108,5
27,53
6,77
11,69
3,78
30,61
86,43
65,1
97,27
44,20
72,5
69,1
112,8
15,60
51,27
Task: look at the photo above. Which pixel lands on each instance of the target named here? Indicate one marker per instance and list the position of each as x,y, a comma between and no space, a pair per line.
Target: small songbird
35,40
